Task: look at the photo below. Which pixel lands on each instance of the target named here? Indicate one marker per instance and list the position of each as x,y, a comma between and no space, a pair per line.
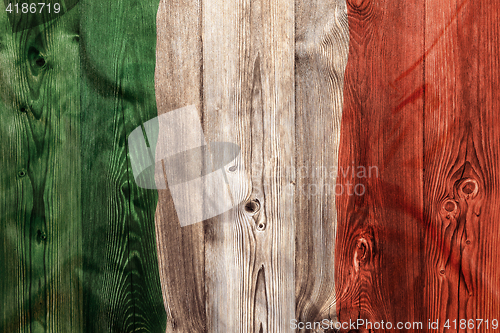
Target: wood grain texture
420,246
41,226
121,282
378,250
178,78
235,62
461,163
402,153
322,43
230,65
77,251
248,79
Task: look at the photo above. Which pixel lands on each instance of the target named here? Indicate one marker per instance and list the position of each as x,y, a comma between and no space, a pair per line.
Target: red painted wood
420,101
378,258
461,162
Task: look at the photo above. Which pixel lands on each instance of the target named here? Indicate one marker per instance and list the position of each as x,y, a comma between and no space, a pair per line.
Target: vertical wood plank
77,234
61,128
41,258
247,97
248,47
461,165
445,146
178,83
484,251
378,256
122,288
17,199
322,42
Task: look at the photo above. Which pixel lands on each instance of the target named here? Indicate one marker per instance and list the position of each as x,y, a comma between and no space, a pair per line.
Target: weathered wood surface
420,104
267,76
41,222
77,249
322,43
237,266
378,257
121,268
418,136
181,254
461,187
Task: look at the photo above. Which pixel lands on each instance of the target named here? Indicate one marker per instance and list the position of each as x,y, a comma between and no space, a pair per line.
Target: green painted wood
77,239
118,44
40,225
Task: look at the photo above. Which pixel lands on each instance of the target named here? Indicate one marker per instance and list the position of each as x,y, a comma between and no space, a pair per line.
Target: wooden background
304,88
268,76
421,98
77,249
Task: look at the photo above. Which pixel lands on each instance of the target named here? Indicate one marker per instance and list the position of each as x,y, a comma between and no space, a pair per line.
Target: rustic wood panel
41,226
448,150
420,246
417,135
78,248
461,164
181,251
121,280
248,80
230,64
235,63
257,246
378,250
322,42
486,273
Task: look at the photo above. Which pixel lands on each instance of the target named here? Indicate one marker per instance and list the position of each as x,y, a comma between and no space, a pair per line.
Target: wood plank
122,288
41,227
378,256
178,82
487,272
458,165
247,97
461,165
77,255
419,128
322,42
248,70
442,159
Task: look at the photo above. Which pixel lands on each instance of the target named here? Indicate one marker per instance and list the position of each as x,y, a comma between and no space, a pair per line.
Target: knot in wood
449,208
360,6
261,226
469,188
42,236
24,108
362,249
40,62
253,206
